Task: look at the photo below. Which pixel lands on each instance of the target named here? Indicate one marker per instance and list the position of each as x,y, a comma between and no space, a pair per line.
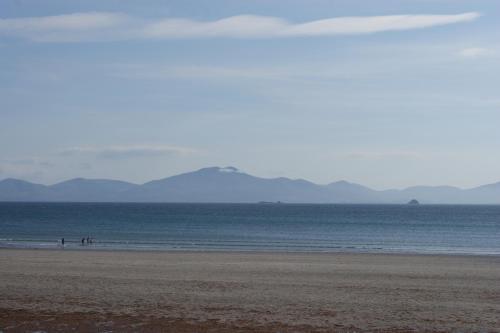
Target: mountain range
228,184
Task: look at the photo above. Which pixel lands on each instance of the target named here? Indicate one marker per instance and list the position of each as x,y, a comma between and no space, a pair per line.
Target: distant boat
413,202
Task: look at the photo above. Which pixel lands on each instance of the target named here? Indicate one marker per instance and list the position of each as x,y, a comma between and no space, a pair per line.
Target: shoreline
249,251
246,291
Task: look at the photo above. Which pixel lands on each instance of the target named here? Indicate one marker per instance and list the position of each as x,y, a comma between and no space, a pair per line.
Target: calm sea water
261,227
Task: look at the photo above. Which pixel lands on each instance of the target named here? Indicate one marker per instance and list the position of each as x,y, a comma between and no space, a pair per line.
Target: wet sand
122,291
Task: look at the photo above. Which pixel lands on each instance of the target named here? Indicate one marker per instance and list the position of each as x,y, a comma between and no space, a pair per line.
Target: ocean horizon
420,229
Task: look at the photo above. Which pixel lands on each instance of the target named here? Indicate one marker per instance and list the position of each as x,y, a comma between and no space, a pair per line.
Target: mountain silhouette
228,184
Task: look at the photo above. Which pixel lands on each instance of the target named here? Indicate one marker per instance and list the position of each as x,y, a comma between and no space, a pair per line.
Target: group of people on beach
89,240
85,241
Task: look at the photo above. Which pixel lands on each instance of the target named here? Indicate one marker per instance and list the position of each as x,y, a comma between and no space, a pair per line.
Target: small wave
239,246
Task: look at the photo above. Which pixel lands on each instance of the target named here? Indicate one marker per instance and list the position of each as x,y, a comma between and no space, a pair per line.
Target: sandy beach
123,291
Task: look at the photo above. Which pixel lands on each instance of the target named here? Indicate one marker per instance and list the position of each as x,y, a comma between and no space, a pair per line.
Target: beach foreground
122,291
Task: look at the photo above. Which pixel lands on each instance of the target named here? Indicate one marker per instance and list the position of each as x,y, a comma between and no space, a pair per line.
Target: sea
429,229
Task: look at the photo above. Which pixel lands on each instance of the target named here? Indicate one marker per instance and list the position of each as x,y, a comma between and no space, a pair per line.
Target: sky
385,93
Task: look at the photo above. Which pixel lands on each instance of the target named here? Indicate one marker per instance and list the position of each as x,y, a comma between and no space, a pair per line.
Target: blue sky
384,93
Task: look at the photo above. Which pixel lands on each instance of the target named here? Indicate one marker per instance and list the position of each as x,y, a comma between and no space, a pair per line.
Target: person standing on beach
83,241
62,242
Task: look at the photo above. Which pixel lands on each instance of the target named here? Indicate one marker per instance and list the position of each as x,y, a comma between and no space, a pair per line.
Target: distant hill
81,189
228,184
346,192
20,190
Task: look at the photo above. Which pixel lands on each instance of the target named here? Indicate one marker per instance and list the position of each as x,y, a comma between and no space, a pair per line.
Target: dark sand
97,291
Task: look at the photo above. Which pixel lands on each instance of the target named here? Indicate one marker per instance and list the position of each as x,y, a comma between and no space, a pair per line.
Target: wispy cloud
108,26
373,24
118,152
161,71
32,168
473,52
68,27
77,21
379,155
268,27
29,161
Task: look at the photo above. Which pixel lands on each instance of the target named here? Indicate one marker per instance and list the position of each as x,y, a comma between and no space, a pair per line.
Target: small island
413,202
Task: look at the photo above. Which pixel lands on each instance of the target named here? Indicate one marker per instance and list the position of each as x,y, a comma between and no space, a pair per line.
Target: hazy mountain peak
346,184
74,180
81,180
341,182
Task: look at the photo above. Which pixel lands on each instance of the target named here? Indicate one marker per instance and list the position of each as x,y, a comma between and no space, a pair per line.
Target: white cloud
242,26
373,24
250,26
473,52
109,26
115,152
